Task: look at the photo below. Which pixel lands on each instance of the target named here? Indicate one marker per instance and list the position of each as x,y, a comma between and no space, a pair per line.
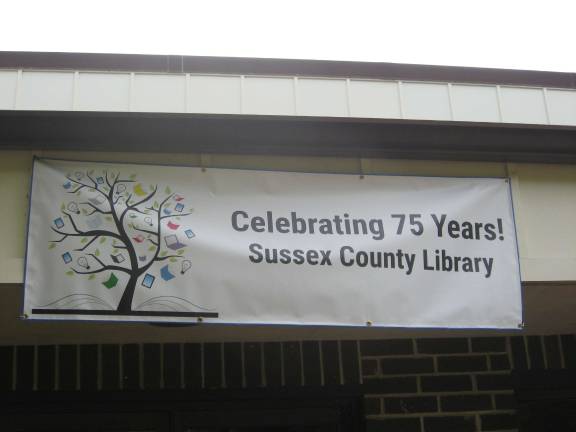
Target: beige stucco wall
544,199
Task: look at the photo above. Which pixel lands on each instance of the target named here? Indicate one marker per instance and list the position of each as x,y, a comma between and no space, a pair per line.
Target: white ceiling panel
268,96
322,97
51,91
103,92
374,99
426,101
214,94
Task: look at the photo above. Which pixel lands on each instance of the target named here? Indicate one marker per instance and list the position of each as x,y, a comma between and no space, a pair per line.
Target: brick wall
421,385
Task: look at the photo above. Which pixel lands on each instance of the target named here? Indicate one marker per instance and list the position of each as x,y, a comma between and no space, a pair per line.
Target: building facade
307,116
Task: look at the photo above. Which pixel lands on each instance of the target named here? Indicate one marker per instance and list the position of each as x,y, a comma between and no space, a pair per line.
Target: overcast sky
538,35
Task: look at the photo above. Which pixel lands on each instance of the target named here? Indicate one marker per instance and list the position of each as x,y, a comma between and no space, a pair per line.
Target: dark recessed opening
230,411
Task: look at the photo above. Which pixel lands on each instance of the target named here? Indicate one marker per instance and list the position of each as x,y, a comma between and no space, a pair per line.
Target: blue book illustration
100,180
167,211
165,273
67,257
189,233
179,207
59,223
67,185
148,280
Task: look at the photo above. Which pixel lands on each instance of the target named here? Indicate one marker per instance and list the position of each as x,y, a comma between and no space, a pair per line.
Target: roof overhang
115,102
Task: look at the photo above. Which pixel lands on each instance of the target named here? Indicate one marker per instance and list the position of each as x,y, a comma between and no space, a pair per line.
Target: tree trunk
125,304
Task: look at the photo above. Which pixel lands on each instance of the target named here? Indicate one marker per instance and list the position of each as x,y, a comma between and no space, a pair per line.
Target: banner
130,242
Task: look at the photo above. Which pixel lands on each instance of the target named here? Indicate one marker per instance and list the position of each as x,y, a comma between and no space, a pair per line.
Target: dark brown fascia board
294,136
282,67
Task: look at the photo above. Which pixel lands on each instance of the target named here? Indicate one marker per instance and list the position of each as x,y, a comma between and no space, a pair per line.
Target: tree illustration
136,225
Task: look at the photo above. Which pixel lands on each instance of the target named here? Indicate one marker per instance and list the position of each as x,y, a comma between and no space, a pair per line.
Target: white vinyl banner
130,242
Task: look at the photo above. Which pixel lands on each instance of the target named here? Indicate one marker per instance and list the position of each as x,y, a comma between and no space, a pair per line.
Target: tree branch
166,257
96,209
107,181
100,270
87,244
77,189
100,233
97,259
174,215
84,185
93,181
146,231
71,221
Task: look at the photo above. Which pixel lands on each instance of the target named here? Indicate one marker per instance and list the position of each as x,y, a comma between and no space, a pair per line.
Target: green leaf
151,248
90,172
172,260
97,252
115,251
163,253
84,240
63,207
132,176
156,205
102,240
70,273
108,218
132,216
92,276
84,212
180,252
167,191
51,245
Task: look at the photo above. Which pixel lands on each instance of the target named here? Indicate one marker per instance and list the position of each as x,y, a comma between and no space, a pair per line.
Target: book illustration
58,222
179,207
189,233
173,243
111,282
173,226
148,280
118,258
67,185
67,258
165,273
